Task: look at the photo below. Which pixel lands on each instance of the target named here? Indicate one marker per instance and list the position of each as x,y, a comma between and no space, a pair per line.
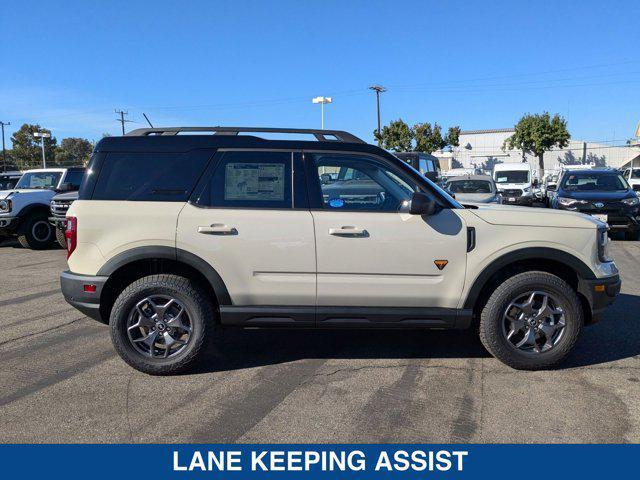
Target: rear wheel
36,233
160,324
62,240
531,321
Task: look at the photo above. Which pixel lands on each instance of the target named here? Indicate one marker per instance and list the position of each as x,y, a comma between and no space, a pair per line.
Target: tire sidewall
28,240
491,323
118,325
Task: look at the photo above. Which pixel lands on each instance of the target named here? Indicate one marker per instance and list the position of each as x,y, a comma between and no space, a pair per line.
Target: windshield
39,180
470,186
513,176
590,181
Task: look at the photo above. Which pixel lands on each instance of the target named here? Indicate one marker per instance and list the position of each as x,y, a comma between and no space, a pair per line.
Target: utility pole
378,89
122,120
4,152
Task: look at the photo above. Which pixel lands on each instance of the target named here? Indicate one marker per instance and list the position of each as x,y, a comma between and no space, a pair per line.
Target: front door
370,251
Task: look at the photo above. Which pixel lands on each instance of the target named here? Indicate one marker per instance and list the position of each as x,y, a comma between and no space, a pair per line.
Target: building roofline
491,130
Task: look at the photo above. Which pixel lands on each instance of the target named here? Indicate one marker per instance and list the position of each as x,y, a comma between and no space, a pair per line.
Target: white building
483,148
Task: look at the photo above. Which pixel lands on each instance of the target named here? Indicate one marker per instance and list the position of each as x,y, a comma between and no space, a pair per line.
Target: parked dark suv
604,194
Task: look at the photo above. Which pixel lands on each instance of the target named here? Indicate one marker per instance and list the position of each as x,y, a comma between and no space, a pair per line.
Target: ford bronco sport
174,235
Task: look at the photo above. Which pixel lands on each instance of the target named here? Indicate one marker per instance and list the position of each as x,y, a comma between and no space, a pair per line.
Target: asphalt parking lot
61,381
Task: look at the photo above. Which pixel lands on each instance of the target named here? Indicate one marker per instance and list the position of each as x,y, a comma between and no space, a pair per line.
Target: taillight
71,235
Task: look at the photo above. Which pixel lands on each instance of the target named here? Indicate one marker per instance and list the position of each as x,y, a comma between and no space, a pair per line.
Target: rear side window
159,177
250,180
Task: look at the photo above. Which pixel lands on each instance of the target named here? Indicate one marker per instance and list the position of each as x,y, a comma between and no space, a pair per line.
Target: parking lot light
322,101
42,136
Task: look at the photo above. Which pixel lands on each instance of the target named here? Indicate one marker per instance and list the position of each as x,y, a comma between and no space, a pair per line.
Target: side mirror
66,187
422,204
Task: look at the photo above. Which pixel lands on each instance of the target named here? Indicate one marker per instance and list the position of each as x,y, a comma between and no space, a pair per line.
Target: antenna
147,119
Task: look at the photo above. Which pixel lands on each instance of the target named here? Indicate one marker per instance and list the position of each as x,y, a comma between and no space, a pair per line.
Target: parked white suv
174,235
24,209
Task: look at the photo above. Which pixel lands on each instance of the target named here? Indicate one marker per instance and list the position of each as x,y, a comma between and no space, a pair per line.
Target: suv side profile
176,235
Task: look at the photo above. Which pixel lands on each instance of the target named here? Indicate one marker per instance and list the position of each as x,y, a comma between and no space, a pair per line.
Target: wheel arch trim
169,253
529,253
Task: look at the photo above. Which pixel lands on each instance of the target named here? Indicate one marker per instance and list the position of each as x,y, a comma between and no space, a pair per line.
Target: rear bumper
600,293
73,289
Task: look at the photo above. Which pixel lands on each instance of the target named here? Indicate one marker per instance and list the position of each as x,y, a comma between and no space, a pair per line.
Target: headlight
5,206
527,189
570,202
631,201
603,245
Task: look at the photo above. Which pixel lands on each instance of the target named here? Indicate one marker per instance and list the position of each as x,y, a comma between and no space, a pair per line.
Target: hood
32,193
66,196
594,195
475,197
534,217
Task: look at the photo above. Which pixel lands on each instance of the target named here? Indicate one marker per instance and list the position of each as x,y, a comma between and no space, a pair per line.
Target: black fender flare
26,211
170,253
529,253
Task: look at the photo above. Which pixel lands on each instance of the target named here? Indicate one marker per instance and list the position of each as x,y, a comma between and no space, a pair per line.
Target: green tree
73,151
536,134
429,139
396,136
27,151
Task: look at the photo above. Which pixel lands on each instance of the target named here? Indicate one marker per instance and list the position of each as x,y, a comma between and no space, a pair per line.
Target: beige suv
174,235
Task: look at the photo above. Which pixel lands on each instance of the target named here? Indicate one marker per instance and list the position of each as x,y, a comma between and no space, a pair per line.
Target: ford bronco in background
24,209
60,203
175,235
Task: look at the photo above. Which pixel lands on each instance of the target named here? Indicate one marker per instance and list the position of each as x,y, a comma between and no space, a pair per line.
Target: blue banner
319,461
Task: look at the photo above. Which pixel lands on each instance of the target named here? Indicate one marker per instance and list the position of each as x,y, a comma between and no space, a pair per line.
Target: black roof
182,139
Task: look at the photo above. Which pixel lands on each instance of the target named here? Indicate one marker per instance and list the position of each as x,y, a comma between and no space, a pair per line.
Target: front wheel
36,233
161,324
531,321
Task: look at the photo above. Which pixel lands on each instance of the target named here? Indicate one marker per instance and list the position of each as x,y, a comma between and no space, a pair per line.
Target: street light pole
322,101
378,89
4,152
42,136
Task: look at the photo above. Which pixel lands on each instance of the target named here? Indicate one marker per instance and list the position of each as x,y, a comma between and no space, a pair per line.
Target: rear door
250,220
370,251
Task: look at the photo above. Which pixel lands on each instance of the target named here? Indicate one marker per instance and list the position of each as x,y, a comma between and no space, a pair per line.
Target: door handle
348,231
217,229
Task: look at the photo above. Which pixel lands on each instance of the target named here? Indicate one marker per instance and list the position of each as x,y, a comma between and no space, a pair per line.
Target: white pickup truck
24,209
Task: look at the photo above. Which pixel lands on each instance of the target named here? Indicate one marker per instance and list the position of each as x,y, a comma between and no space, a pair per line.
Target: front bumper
8,224
521,200
59,222
600,293
75,293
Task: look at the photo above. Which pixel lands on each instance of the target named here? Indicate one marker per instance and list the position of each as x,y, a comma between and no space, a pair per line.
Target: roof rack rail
321,135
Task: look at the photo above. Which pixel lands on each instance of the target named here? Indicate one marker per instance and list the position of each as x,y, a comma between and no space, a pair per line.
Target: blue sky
68,65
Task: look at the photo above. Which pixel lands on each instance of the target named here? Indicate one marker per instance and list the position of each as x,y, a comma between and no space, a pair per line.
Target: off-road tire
201,314
62,240
491,331
26,235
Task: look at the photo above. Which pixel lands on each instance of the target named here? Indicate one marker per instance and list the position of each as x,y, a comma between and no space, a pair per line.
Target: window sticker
254,181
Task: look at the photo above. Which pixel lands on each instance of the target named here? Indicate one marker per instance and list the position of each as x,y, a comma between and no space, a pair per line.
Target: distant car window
7,183
39,180
514,176
470,186
159,177
367,185
635,173
74,177
251,180
591,181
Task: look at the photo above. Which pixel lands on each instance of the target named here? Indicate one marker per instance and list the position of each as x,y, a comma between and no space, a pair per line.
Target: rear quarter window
159,177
